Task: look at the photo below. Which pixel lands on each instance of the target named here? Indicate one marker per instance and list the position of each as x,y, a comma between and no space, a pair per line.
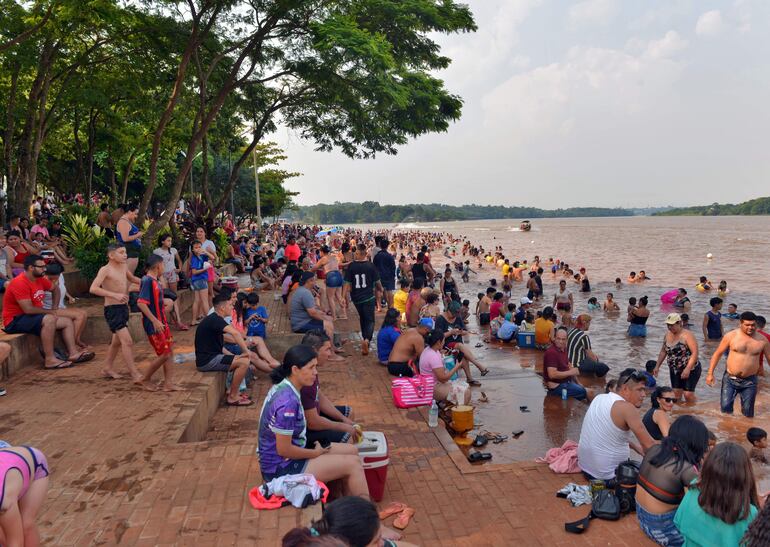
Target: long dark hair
727,486
687,442
657,394
351,518
297,356
391,318
238,307
758,534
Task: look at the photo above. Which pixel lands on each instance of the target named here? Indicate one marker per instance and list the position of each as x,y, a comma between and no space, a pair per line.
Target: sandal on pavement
402,520
480,440
60,364
479,457
240,402
392,509
474,383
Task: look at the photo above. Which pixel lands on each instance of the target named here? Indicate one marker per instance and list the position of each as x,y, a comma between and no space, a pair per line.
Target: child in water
732,312
610,304
723,291
704,284
593,304
685,321
631,307
757,437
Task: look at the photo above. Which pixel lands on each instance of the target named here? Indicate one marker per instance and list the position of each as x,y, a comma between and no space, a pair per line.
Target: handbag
412,392
605,506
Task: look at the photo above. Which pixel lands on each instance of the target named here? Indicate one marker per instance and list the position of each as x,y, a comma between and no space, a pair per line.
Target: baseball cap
525,300
673,318
427,322
307,276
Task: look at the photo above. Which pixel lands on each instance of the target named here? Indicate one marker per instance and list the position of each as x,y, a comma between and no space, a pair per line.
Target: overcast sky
592,103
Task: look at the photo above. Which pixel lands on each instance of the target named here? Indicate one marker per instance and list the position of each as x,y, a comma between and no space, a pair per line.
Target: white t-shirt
168,258
48,296
602,444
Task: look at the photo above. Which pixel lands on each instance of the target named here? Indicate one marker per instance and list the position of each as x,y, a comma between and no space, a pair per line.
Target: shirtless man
740,377
112,283
484,305
408,347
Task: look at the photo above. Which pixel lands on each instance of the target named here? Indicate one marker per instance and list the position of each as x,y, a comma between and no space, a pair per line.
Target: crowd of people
412,280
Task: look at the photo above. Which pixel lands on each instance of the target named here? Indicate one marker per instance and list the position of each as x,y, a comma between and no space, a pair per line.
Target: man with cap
680,350
451,324
408,348
303,313
579,349
521,313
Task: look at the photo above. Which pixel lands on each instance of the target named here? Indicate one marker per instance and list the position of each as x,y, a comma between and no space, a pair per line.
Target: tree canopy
122,97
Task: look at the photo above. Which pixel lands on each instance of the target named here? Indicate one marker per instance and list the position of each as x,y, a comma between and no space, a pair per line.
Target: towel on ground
563,459
577,494
298,490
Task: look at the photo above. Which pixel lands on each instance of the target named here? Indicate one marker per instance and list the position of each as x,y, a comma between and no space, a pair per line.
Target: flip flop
485,372
392,509
480,440
60,364
474,383
500,439
517,434
84,357
240,402
475,457
524,408
402,520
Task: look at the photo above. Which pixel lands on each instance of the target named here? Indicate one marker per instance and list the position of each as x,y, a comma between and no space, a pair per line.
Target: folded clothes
577,494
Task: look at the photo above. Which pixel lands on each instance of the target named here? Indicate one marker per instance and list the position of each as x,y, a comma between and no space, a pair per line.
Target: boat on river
525,226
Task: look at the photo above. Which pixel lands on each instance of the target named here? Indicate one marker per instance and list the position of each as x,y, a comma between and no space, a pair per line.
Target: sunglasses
668,399
636,376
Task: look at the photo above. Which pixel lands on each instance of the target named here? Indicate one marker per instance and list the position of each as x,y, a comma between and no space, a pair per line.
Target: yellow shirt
543,331
506,269
399,300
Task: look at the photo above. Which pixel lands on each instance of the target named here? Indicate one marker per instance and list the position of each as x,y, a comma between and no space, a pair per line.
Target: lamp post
192,188
256,186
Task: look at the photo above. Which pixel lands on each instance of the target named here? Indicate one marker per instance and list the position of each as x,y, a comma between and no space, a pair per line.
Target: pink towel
562,460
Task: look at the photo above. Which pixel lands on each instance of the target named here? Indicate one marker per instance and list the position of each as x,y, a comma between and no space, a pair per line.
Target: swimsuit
12,460
677,357
116,316
132,247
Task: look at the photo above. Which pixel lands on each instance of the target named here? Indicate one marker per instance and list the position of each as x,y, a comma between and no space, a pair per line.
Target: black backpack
615,500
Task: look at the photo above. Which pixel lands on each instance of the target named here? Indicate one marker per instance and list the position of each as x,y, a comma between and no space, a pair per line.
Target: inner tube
669,297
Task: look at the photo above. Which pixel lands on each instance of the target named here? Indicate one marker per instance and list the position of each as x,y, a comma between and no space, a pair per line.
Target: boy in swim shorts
155,324
112,283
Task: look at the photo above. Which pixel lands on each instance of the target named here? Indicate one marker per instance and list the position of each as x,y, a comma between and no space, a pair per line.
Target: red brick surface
120,477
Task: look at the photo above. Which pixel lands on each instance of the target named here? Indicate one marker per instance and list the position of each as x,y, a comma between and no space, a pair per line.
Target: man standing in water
746,346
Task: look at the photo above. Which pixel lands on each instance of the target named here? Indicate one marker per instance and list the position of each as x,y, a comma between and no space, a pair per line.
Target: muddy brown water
673,252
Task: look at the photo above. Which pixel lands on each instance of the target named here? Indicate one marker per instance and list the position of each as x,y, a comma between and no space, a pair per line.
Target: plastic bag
457,391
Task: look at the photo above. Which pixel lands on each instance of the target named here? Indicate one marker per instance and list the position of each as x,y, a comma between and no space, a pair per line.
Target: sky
606,103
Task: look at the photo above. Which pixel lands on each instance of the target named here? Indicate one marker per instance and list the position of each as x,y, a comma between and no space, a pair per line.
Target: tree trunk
205,173
127,175
81,176
113,181
91,150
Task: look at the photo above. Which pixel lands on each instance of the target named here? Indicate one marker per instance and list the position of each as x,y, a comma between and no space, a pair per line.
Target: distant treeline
759,206
371,211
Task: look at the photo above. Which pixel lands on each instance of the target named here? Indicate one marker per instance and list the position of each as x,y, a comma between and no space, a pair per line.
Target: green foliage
74,209
371,211
77,233
220,239
758,206
91,257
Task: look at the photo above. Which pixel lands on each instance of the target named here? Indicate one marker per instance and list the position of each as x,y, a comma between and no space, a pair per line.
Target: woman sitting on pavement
282,431
718,508
352,520
388,334
23,488
432,364
656,419
665,474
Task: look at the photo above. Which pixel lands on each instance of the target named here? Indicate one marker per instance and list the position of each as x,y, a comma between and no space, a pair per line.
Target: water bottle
433,415
564,394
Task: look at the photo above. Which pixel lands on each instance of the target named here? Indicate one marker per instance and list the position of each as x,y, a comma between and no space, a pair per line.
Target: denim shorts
639,331
199,285
659,528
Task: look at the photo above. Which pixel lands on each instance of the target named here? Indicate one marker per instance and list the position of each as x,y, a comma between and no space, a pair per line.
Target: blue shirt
386,338
714,325
282,414
255,328
507,330
386,266
196,263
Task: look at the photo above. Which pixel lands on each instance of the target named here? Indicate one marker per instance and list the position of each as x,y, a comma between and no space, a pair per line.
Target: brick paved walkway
120,476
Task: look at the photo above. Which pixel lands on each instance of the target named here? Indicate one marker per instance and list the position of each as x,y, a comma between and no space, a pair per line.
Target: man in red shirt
292,251
558,373
23,313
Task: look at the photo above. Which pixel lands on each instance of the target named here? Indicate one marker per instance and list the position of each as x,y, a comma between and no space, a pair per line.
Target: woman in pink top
432,363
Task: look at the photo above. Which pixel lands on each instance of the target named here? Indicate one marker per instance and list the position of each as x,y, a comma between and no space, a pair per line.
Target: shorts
327,436
199,285
314,324
116,316
334,279
294,467
3,283
484,319
26,324
400,369
133,251
690,382
171,277
563,306
659,528
162,342
220,363
388,284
